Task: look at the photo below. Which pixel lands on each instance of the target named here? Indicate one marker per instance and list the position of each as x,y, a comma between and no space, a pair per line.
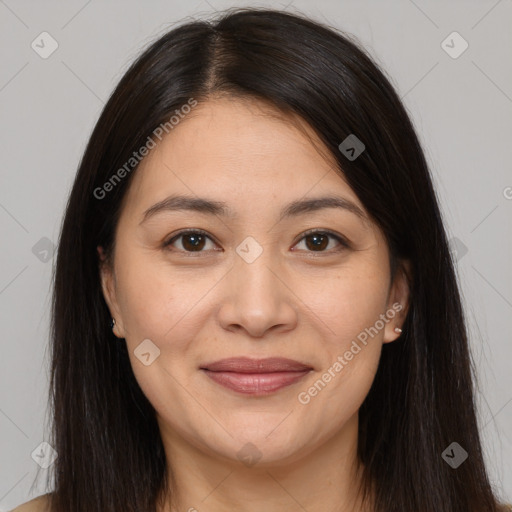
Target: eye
195,240
317,241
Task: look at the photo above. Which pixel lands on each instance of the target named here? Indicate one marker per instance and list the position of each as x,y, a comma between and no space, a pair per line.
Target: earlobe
398,304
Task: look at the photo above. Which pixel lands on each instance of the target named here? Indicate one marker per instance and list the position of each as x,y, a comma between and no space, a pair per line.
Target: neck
327,477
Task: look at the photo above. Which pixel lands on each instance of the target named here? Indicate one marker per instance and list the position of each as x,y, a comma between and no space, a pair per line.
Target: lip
256,376
250,365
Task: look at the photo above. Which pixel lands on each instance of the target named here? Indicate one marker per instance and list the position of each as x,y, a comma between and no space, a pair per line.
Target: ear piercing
398,330
112,324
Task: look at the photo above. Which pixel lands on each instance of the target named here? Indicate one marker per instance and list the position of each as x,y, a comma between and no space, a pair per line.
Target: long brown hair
110,454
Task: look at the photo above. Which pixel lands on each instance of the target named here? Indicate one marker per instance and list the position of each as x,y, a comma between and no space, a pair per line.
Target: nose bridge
253,272
258,299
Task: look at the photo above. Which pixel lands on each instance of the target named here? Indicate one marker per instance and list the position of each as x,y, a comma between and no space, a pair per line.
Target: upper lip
249,365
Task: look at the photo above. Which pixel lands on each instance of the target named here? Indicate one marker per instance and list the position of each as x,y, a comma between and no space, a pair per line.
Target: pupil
196,241
317,244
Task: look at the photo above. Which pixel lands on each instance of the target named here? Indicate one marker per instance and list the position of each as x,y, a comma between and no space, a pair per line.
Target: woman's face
253,285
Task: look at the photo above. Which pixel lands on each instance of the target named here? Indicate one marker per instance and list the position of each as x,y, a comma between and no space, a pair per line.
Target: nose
256,298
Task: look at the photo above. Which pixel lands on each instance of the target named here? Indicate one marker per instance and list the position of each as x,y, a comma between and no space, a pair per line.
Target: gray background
461,108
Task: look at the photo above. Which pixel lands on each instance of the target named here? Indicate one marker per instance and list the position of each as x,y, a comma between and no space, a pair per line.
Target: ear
108,286
398,301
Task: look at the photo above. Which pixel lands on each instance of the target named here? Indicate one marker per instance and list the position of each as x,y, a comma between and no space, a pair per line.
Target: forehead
237,130
239,150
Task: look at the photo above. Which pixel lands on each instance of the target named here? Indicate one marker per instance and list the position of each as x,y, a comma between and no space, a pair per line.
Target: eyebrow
211,207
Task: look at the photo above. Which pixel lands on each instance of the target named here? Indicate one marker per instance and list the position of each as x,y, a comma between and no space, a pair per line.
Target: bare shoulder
39,504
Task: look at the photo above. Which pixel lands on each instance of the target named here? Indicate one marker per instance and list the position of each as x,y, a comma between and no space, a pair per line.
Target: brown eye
318,241
195,241
191,241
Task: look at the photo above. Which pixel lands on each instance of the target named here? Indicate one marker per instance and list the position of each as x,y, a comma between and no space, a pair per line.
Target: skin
293,301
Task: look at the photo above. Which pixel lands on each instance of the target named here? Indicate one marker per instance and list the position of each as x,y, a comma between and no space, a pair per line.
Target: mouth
256,376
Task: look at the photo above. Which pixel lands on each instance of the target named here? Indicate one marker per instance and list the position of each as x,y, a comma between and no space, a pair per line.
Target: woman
255,306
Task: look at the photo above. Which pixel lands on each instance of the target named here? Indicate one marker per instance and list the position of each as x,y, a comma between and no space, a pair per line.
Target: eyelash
342,241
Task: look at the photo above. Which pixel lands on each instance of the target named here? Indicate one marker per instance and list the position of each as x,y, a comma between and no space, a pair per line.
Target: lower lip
256,383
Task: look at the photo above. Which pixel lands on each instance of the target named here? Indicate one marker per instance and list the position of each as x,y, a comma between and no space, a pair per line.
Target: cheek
165,305
340,386
348,309
346,302
147,303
